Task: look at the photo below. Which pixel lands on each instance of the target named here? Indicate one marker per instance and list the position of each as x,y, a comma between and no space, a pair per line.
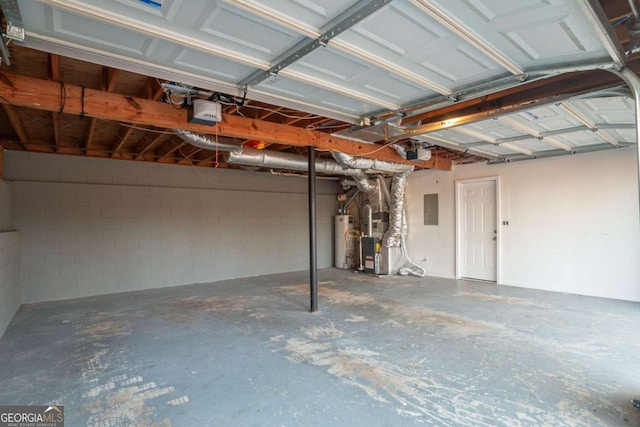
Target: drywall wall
573,223
97,226
9,260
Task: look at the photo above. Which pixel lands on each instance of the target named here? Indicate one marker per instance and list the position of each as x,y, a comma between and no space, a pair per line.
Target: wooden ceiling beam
45,95
18,124
560,87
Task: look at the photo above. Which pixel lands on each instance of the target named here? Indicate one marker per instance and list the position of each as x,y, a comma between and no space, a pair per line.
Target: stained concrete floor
381,352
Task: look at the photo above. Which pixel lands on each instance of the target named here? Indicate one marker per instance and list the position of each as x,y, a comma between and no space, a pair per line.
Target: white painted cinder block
573,223
88,237
10,297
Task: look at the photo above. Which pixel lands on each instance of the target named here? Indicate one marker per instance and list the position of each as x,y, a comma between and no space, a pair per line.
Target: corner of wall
10,297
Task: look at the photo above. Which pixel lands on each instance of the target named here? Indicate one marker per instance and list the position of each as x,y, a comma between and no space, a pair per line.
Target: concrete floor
381,352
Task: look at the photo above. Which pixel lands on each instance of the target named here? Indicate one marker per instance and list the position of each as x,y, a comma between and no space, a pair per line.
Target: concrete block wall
111,231
6,211
573,223
9,260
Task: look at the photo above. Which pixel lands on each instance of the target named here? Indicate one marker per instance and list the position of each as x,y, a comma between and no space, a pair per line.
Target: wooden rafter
270,113
143,147
152,90
54,67
109,78
17,123
169,148
91,134
45,95
192,153
122,138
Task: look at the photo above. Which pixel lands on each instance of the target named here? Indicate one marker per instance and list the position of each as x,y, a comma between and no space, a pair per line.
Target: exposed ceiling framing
86,79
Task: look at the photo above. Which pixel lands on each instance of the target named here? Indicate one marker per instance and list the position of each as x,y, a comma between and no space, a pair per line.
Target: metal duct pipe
393,236
348,161
385,193
363,184
400,150
278,160
355,193
202,141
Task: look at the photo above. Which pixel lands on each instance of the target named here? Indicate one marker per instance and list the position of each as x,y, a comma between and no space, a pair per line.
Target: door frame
458,207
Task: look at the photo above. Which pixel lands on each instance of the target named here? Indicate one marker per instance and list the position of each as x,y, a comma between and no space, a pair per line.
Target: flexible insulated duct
290,161
393,236
348,161
202,141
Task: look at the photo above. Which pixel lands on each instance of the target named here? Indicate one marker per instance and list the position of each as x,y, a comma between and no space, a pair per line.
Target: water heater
345,242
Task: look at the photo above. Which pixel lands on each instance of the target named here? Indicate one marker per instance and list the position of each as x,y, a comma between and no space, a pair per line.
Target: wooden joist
41,94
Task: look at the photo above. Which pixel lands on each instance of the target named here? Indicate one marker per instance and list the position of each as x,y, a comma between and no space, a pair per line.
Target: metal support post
313,265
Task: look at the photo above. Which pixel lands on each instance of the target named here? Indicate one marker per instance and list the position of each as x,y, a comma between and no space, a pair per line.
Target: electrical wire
148,129
63,96
82,104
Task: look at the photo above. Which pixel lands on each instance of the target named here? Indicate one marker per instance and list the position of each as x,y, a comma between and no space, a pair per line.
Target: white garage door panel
283,86
419,44
623,135
137,46
534,145
496,150
81,29
607,110
400,54
229,27
493,129
452,136
301,13
337,69
531,32
546,119
201,63
580,139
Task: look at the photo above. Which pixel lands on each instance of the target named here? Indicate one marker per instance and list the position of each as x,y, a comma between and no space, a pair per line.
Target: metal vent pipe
278,160
202,141
349,161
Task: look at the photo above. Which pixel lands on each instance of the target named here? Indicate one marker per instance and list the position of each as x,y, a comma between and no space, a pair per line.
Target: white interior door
477,229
